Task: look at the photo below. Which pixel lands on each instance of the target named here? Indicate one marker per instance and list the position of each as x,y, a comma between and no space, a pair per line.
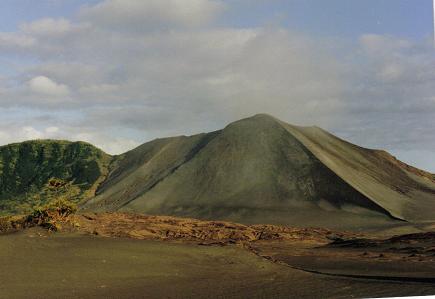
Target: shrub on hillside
11,223
53,214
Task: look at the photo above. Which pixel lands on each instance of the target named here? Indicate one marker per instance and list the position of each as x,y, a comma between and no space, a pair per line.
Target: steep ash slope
141,169
404,191
258,166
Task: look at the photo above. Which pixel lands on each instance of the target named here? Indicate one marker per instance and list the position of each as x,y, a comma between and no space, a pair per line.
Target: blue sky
120,72
344,18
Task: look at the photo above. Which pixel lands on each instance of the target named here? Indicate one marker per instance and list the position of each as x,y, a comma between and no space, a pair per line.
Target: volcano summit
255,170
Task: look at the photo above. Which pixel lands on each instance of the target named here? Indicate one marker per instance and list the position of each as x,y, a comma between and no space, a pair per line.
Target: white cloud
139,15
381,44
111,145
47,26
390,72
29,133
13,132
15,41
17,134
46,86
51,130
140,67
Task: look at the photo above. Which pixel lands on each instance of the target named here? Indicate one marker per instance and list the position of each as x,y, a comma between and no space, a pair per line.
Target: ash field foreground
119,255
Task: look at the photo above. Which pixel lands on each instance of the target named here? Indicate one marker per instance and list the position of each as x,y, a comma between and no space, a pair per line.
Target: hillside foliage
34,173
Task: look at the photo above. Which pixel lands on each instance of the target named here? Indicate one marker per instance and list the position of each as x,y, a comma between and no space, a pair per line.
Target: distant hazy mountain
258,169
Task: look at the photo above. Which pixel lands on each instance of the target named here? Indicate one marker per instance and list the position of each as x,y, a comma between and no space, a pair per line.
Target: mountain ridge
306,134
261,169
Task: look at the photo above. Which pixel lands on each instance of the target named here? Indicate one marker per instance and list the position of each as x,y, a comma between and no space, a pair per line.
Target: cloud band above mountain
142,69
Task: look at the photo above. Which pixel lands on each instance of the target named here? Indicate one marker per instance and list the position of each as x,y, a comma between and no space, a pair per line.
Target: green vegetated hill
34,172
258,169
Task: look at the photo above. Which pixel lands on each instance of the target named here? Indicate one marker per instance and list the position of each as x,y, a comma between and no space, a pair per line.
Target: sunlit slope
140,170
404,191
259,166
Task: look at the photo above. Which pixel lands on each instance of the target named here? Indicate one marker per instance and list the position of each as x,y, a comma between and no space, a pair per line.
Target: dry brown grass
12,223
53,215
